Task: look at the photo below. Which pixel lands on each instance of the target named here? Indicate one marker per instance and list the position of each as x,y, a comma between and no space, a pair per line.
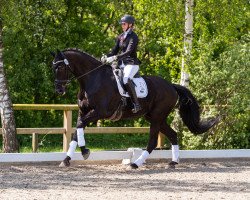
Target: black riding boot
131,91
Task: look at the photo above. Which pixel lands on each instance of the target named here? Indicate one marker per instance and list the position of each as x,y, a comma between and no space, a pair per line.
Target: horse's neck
83,67
80,63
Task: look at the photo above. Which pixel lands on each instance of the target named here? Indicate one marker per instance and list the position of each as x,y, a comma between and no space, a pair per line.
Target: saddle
140,84
140,88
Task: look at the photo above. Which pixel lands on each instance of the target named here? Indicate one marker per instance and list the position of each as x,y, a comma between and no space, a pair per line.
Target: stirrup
136,108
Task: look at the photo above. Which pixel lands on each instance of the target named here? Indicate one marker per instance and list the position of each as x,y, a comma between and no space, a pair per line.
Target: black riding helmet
127,19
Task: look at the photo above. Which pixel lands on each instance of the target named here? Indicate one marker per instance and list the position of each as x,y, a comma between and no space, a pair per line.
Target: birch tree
10,143
188,38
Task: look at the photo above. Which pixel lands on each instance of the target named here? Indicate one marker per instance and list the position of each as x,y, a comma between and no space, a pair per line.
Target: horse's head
61,68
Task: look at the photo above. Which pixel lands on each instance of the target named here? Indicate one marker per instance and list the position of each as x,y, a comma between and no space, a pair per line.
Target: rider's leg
129,72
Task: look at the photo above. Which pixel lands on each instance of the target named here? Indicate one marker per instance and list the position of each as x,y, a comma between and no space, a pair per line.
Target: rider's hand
104,59
111,59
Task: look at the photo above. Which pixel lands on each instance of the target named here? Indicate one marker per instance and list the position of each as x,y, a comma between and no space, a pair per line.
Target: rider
125,52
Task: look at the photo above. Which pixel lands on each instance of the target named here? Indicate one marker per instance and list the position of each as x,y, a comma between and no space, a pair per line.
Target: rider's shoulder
134,35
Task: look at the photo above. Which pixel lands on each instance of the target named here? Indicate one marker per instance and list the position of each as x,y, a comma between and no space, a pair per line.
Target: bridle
67,66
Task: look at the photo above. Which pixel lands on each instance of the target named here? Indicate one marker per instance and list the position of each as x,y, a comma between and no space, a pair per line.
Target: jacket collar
126,33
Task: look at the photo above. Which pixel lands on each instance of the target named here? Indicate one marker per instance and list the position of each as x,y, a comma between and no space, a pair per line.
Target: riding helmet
127,19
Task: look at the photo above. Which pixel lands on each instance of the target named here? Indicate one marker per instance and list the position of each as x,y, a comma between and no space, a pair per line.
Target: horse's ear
53,53
60,54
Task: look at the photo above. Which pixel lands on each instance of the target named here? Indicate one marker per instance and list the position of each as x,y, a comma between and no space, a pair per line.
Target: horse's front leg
152,143
77,139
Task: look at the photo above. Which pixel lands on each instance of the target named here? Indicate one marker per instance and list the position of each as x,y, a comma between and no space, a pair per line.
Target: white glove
111,59
103,58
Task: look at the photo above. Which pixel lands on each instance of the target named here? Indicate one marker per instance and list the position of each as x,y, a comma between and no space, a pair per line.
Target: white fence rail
129,155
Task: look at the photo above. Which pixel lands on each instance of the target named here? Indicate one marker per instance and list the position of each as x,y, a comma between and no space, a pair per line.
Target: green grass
54,143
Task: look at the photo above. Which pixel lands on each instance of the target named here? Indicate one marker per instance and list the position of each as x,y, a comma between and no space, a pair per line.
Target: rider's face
125,26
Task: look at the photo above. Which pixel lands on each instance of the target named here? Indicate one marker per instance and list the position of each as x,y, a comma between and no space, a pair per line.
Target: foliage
219,58
230,72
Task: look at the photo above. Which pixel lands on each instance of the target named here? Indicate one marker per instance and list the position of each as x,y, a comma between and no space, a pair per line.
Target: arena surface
192,179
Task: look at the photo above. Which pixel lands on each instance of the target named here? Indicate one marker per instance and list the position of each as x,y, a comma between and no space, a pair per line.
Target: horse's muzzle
60,88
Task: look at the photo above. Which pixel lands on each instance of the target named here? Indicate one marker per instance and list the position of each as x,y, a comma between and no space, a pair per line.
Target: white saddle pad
140,87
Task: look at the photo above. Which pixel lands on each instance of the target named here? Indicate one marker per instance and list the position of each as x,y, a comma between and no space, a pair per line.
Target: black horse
99,99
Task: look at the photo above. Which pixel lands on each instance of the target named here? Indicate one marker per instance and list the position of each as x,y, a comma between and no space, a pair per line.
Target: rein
66,62
87,72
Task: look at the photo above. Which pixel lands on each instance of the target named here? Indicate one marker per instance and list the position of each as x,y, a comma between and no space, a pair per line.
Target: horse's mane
82,52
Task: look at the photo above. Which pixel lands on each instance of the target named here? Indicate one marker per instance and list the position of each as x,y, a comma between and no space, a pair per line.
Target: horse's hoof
65,162
172,164
133,166
86,153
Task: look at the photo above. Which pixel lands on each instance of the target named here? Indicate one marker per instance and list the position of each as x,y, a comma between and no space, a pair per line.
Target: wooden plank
69,106
89,130
39,130
118,130
45,107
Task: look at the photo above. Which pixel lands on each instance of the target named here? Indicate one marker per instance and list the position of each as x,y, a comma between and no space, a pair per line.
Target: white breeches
129,71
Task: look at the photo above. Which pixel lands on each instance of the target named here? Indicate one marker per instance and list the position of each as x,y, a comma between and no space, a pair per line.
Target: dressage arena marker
126,156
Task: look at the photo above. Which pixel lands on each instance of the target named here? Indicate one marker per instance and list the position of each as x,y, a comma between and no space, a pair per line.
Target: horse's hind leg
172,136
152,143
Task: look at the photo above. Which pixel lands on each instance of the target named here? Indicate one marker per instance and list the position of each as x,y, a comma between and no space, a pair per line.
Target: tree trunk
10,143
188,38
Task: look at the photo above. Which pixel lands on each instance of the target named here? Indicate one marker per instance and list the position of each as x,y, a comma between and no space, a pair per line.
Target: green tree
10,143
220,72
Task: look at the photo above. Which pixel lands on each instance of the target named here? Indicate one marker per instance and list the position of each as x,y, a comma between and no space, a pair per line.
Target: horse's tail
190,112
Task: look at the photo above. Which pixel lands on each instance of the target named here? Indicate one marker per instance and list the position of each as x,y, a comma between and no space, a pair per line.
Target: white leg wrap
175,153
80,137
72,148
142,158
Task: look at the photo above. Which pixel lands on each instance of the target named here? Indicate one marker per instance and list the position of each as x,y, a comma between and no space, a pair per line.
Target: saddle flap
140,85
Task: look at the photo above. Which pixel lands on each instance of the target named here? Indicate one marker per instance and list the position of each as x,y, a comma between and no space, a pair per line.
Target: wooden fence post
67,124
161,141
34,142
